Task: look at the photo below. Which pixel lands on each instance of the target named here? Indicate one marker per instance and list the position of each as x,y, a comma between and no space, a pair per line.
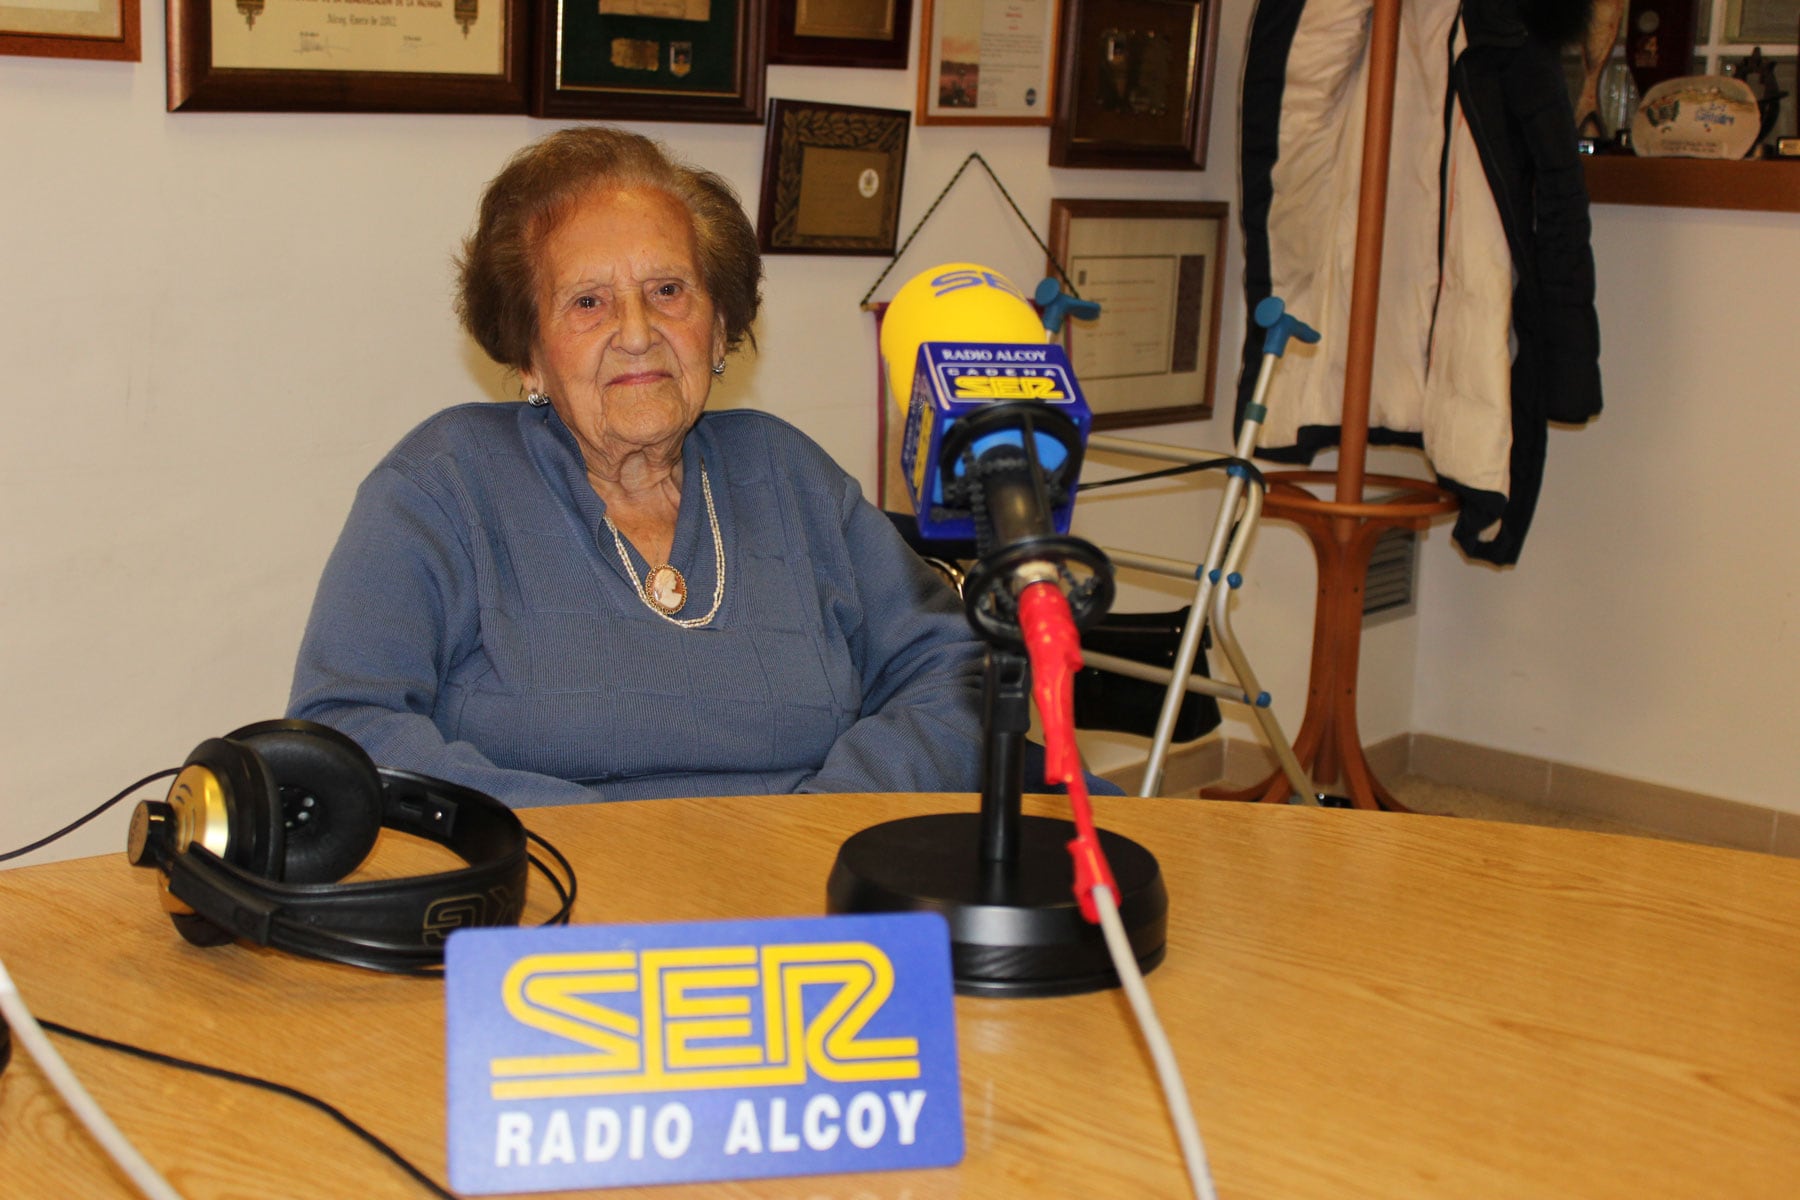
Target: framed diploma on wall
652,60
987,62
1155,266
61,29
1134,87
841,33
348,55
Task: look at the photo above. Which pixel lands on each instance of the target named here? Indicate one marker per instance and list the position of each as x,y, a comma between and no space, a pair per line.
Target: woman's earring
536,398
719,367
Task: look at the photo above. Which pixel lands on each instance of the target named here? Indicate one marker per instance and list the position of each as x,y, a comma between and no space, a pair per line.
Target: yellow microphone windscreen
954,302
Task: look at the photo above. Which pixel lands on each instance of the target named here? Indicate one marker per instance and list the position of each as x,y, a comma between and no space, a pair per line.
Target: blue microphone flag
953,380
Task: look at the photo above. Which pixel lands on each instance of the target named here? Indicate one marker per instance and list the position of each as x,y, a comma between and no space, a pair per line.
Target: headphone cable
72,826
280,1089
567,897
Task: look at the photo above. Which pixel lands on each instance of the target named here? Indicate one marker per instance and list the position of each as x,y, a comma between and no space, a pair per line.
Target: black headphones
260,825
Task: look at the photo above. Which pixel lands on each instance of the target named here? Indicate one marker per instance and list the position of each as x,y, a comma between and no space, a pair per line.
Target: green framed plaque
652,60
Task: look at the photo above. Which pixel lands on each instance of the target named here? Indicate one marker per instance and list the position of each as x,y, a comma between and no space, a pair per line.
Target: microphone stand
1005,719
1003,880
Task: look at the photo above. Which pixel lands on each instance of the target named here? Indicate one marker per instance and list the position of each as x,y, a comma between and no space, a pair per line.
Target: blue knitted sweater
475,623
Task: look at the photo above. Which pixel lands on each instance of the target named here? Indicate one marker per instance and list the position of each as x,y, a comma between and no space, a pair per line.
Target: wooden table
1365,1005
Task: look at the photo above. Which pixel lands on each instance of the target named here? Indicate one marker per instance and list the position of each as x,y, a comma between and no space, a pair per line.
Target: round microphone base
1015,928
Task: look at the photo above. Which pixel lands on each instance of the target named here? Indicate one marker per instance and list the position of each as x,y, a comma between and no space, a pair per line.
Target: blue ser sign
614,1055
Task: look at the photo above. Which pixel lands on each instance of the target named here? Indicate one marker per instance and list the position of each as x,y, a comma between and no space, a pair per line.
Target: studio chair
1106,699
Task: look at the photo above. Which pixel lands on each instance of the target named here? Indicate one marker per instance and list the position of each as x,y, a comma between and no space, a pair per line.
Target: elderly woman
607,593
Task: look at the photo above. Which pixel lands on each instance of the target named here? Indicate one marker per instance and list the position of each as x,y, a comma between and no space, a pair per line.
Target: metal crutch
1230,538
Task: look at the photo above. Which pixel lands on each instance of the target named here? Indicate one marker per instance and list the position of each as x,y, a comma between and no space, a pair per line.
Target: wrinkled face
626,333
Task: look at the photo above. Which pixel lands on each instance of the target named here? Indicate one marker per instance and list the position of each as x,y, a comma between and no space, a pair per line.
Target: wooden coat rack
1344,529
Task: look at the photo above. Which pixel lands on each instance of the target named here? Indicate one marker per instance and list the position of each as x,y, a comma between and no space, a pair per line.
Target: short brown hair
497,295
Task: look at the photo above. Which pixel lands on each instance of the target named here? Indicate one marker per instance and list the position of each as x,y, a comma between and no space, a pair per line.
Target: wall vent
1388,590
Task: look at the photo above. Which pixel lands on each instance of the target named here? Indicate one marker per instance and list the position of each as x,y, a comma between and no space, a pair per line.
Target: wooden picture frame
235,57
1157,269
841,33
1134,85
1765,21
626,60
1659,37
1010,81
111,31
832,176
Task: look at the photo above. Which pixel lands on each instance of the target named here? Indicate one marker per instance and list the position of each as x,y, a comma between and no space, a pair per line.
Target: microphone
995,428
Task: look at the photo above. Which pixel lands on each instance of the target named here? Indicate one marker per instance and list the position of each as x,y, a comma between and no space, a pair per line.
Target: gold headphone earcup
253,832
223,800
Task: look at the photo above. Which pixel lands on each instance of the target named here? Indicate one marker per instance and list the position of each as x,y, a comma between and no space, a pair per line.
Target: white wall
1649,628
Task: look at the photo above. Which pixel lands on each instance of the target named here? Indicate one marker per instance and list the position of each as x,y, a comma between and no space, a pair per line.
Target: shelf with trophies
1690,103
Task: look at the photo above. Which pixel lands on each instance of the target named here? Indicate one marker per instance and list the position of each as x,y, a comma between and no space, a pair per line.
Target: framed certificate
348,55
1134,87
841,33
1155,268
831,179
71,28
987,62
652,60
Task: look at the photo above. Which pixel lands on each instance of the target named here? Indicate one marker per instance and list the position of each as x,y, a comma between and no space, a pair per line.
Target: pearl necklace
647,592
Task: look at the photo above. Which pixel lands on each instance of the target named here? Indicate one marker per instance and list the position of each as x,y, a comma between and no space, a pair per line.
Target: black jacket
1487,329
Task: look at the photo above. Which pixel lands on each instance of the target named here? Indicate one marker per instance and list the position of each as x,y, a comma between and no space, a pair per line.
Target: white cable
1168,1071
31,1036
